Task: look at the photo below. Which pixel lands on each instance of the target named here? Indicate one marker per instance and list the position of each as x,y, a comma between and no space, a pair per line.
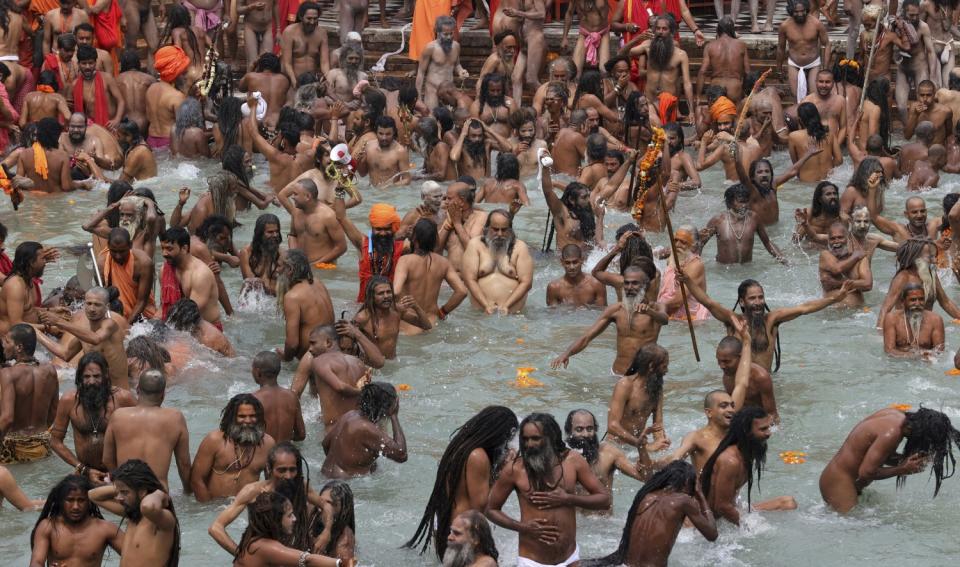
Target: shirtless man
725,62
922,63
195,280
950,97
336,377
303,45
283,418
10,35
149,432
29,402
385,160
926,172
90,77
814,222
545,476
869,453
18,294
61,20
55,177
604,457
813,134
439,60
839,263
233,455
88,410
380,315
505,59
575,288
70,530
593,39
471,153
463,223
569,141
637,397
93,140
165,96
890,37
735,229
637,322
799,44
497,267
831,105
493,107
667,67
140,22
355,442
505,188
133,83
305,303
913,331
926,108
421,274
281,154
314,228
437,165
342,80
85,35
44,102
137,495
267,78
731,350
914,210
258,24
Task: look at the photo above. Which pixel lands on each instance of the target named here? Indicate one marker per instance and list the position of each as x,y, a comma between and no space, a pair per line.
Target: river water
834,373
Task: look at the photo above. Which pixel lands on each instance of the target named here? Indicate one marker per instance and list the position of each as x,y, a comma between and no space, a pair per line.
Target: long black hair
53,506
179,17
256,245
138,476
648,357
932,435
739,434
741,294
490,430
264,521
552,435
232,161
678,476
590,83
228,416
229,121
809,117
296,492
877,92
23,257
342,495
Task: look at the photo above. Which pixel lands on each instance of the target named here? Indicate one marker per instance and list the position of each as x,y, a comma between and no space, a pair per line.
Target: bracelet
302,562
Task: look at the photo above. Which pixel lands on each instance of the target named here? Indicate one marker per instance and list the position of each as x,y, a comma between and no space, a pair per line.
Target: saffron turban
383,215
722,107
170,62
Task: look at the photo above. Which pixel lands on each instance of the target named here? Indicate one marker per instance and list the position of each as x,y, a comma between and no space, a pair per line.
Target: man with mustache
342,80
638,396
927,109
29,401
682,166
439,60
742,451
471,153
96,92
493,106
88,409
561,73
93,140
917,264
823,212
506,60
186,277
260,260
637,322
831,105
432,198
70,529
735,229
149,432
335,376
840,263
380,250
387,161
464,221
763,187
525,141
304,302
497,267
470,543
664,64
913,331
546,475
920,61
604,457
762,322
303,45
437,165
574,218
381,314
799,43
357,440
233,455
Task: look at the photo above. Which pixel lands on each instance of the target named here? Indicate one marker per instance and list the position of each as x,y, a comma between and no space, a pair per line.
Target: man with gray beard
439,60
841,262
545,476
342,80
233,455
137,214
916,264
260,260
497,267
304,302
913,330
470,543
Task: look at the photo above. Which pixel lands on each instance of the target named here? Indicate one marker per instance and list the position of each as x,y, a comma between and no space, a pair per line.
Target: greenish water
834,373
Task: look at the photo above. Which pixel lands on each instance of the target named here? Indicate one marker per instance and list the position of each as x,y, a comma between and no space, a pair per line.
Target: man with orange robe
131,271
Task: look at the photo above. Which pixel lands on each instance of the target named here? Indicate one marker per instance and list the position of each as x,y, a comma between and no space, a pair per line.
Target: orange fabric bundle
667,109
5,182
46,89
722,107
121,277
170,62
40,160
383,215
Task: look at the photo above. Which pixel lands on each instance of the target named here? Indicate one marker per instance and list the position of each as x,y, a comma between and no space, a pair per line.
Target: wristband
302,562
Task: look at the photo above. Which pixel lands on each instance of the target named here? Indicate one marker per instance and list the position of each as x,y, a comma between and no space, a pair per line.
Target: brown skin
818,164
354,443
915,211
548,520
385,160
38,105
911,275
611,457
88,445
282,170
802,42
115,102
18,298
134,84
759,392
629,409
162,102
809,226
725,63
283,417
258,272
634,329
735,235
274,88
305,306
420,276
383,326
336,377
58,166
463,223
566,224
303,47
926,108
460,534
674,78
74,537
839,263
576,288
29,402
148,541
219,453
138,163
143,273
196,280
898,336
314,226
869,453
498,284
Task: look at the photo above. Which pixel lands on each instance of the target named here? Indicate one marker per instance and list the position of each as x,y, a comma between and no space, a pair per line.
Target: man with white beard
439,60
913,330
497,267
916,264
136,214
860,236
470,543
841,262
343,79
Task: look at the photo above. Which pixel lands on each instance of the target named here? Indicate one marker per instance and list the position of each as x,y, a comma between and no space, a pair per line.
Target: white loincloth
524,562
802,75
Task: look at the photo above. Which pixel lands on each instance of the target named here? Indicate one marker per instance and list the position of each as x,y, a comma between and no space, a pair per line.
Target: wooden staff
746,105
547,233
676,263
873,49
633,168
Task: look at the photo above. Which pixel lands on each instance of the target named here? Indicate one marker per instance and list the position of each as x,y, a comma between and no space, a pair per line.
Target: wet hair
508,166
585,215
86,53
48,133
726,26
229,121
256,244
387,122
932,435
296,492
504,34
179,17
924,132
268,62
53,507
138,476
132,129
130,61
752,173
675,128
264,517
299,267
816,207
949,200
612,62
488,79
734,193
809,118
48,78
596,147
792,5
118,190
232,161
189,115
742,290
176,235
149,351
23,257
617,155
23,335
376,103
571,251
342,497
490,429
480,528
636,247
550,430
678,476
67,41
862,174
424,237
444,119
647,357
560,91
877,92
910,250
212,225
376,399
228,416
739,434
185,316
590,83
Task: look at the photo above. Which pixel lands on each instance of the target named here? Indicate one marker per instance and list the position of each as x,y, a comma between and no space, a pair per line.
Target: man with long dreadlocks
342,80
545,476
233,455
381,314
638,322
917,264
153,531
304,302
147,353
472,150
20,292
29,401
742,451
469,464
88,410
71,530
869,453
439,61
150,432
287,473
824,210
638,396
260,260
574,218
338,538
356,440
763,323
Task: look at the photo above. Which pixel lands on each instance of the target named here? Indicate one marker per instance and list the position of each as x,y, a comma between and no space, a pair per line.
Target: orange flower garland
646,164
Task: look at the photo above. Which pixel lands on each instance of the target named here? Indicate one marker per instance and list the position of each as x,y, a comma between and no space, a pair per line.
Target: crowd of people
617,123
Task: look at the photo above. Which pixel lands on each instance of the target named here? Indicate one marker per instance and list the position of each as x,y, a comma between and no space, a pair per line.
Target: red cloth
6,266
101,110
635,12
667,107
5,132
366,265
286,15
51,62
494,7
106,26
170,291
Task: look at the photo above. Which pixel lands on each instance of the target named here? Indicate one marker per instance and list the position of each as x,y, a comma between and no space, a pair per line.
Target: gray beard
446,45
246,434
282,287
353,74
914,319
539,465
458,555
925,271
629,303
131,226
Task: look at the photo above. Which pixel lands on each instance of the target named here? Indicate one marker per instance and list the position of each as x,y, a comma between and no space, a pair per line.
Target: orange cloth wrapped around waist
121,277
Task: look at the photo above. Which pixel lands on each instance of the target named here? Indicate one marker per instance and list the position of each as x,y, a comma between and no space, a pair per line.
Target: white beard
131,226
928,278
